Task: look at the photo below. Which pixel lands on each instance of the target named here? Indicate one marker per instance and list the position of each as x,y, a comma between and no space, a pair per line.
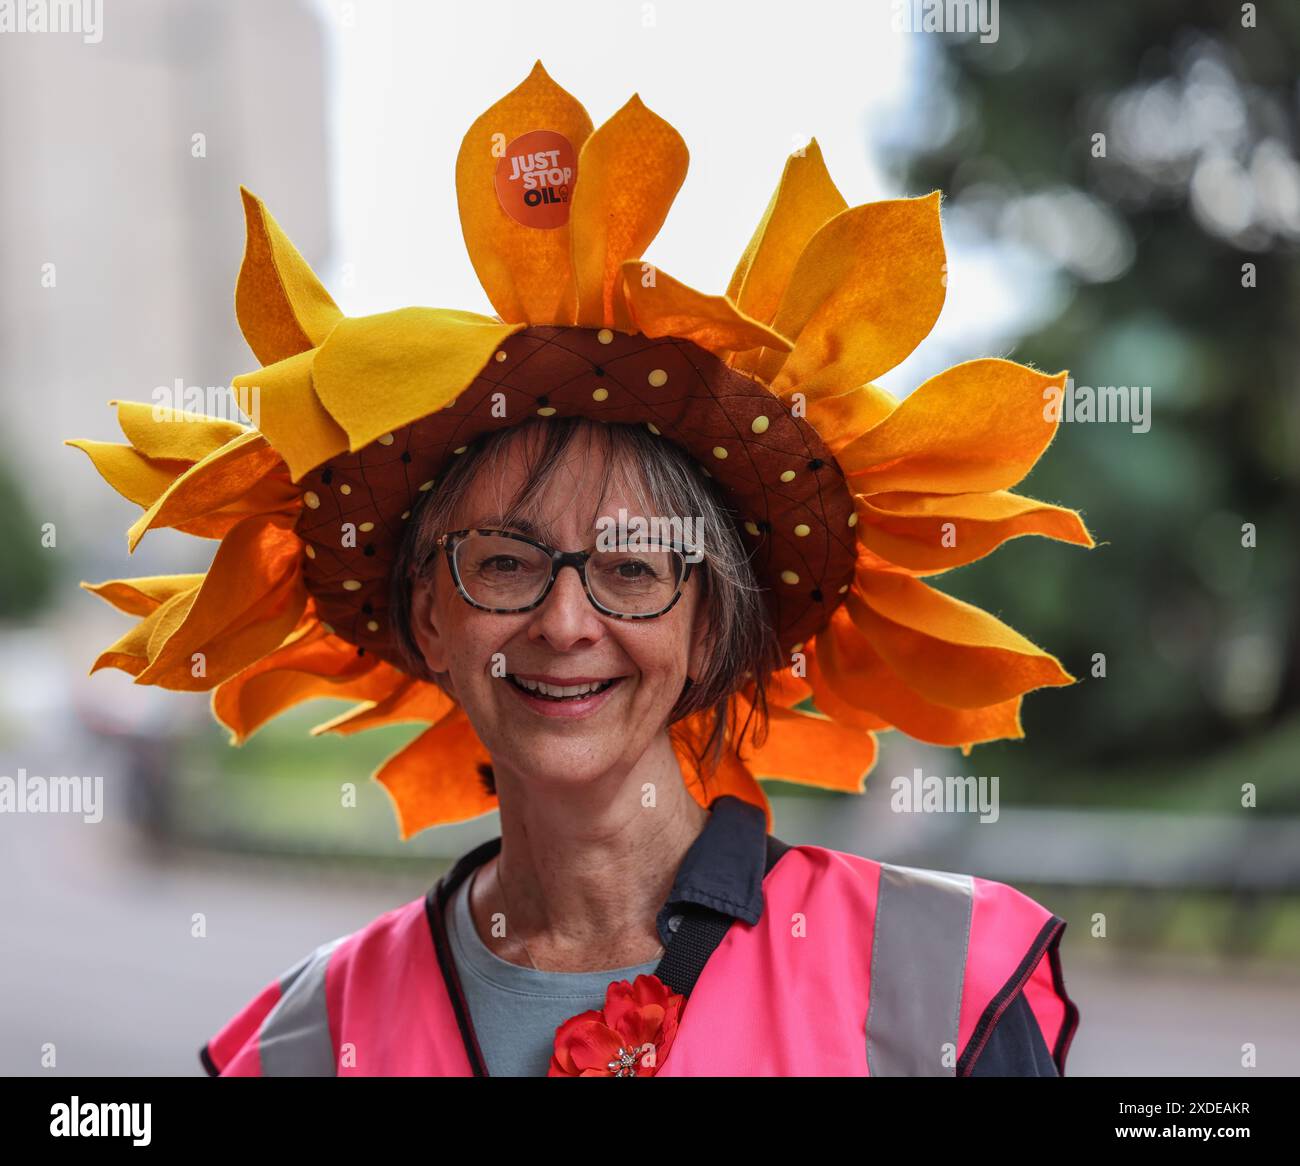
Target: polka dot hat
847,498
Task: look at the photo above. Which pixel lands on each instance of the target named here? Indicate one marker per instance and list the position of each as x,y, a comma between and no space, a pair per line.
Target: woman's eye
496,564
634,569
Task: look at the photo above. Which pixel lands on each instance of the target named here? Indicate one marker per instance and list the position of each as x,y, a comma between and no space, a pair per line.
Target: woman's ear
424,625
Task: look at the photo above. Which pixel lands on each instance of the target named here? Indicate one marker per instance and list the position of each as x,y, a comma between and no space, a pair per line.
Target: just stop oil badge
534,179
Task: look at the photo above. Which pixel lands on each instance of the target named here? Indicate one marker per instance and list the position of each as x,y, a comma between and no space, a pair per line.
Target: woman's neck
582,875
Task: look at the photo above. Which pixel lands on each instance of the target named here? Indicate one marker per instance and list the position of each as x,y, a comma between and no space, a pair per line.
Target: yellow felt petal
208,485
865,292
842,418
851,670
411,700
977,426
143,594
310,664
949,651
235,649
291,415
524,270
804,200
136,477
434,780
281,305
159,432
629,172
928,533
378,373
250,601
670,308
130,653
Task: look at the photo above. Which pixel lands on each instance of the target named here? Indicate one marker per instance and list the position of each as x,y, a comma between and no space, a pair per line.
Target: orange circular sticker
535,179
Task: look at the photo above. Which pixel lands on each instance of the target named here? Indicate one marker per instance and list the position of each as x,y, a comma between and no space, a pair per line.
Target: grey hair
742,642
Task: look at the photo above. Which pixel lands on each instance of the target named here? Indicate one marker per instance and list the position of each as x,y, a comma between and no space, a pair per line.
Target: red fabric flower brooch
629,1038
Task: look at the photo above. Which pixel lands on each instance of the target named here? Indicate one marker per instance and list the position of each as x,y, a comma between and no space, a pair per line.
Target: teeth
558,690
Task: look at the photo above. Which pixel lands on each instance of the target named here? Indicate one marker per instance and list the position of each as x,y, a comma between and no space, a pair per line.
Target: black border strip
1048,934
1071,1021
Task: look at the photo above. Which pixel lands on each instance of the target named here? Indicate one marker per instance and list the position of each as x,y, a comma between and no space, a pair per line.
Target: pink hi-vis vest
855,968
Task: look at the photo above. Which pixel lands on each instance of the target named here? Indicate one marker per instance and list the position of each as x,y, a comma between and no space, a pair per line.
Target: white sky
744,84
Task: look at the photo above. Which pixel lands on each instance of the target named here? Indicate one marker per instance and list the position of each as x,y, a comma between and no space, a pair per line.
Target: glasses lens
501,572
637,582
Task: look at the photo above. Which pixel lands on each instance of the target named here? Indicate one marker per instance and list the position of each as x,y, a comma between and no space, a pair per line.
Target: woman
397,529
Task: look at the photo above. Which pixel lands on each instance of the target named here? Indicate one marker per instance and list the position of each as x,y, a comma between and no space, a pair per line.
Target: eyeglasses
500,571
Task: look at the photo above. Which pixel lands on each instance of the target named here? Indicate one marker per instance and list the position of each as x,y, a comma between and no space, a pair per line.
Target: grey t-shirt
516,1010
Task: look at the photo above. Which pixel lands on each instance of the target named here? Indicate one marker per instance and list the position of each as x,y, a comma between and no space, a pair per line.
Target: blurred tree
27,579
1145,156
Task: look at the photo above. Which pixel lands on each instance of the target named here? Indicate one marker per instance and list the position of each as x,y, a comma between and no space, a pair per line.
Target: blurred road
98,960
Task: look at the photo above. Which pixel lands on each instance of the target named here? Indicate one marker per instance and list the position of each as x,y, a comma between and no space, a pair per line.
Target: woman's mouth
576,699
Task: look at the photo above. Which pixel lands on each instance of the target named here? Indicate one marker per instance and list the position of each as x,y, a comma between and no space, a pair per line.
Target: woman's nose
566,614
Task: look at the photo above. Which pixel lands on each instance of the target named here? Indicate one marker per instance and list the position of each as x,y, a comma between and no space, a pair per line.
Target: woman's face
564,640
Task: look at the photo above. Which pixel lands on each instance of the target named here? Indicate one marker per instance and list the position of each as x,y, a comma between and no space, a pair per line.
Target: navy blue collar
724,866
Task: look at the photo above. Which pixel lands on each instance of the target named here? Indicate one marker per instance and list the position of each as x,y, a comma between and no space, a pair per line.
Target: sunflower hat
848,499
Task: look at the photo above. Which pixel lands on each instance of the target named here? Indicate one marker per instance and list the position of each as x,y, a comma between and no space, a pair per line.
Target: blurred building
102,181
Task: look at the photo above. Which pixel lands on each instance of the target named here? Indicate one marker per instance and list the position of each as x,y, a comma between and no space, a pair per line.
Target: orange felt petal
784,689
433,780
978,426
137,478
948,651
272,494
728,775
670,308
829,702
629,172
809,749
217,481
159,432
282,307
929,533
865,292
854,672
842,418
524,270
409,700
803,202
310,664
249,603
291,415
143,594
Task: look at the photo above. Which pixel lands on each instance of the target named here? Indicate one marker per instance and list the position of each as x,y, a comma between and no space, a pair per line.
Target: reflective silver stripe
918,964
294,1040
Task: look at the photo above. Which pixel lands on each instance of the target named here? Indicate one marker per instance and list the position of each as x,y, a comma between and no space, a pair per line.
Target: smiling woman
534,478
398,530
